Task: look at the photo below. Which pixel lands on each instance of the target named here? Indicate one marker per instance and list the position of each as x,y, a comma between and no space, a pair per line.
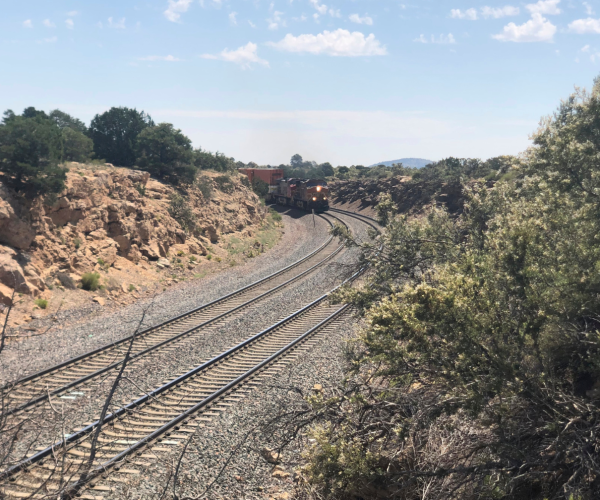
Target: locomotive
307,194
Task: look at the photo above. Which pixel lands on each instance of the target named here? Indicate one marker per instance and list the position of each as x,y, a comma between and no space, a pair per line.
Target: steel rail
140,354
166,322
153,394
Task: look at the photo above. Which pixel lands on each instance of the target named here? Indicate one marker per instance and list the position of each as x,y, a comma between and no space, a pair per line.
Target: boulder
13,230
6,294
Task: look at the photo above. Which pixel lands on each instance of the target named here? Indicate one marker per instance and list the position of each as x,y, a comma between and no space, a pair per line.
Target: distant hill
407,162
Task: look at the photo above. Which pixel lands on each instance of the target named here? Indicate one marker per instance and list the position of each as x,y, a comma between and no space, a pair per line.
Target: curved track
57,380
167,415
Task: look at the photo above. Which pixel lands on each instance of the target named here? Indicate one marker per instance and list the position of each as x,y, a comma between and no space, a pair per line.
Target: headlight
314,198
318,188
324,197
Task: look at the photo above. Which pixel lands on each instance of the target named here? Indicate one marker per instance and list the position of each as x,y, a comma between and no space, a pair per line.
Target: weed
101,262
193,258
204,185
77,243
41,303
276,216
180,210
141,189
224,184
180,253
209,256
218,259
90,281
132,288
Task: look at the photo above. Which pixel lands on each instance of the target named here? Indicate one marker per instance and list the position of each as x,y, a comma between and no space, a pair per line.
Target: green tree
327,169
205,160
260,187
115,134
166,153
77,146
64,120
296,161
30,150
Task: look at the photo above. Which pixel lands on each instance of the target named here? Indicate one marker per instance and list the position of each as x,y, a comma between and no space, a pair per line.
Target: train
306,194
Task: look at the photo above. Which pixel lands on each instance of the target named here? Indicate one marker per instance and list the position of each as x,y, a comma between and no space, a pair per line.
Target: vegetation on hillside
477,373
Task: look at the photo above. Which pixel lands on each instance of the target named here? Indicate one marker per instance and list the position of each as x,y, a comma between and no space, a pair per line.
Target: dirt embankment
120,224
410,197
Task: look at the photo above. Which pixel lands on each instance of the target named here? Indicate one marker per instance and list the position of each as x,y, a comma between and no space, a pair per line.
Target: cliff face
112,217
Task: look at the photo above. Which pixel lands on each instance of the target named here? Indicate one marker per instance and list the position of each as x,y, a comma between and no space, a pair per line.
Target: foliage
205,160
276,216
204,185
307,169
180,210
260,187
77,146
115,134
30,150
41,303
166,153
64,120
224,184
477,374
90,281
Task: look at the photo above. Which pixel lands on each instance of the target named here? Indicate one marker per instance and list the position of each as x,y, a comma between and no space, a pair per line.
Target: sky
350,82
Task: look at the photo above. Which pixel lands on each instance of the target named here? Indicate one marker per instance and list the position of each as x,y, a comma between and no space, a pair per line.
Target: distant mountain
407,162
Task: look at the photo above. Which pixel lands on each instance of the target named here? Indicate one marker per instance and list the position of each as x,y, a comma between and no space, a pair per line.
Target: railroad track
61,380
165,417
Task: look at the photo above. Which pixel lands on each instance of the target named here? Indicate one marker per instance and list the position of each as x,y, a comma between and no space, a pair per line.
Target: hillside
135,232
407,162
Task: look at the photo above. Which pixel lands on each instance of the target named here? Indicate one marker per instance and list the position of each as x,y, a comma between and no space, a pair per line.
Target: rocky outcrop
108,213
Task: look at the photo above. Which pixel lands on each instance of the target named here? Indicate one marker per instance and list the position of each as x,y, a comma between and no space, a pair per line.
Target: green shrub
90,281
141,189
209,256
41,303
224,184
276,216
204,185
131,288
180,210
77,243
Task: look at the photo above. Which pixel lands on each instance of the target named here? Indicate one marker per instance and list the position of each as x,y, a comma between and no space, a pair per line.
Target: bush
204,185
132,288
260,187
41,303
90,281
276,216
224,184
77,243
180,210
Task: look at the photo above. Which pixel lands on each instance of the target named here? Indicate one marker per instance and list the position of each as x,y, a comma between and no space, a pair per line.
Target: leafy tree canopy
115,134
205,160
76,145
64,120
166,153
30,150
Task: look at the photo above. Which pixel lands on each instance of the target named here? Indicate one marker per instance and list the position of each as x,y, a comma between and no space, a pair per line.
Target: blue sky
350,82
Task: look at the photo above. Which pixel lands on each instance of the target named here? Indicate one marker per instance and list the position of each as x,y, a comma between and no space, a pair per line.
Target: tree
77,146
205,160
166,153
327,169
260,187
31,112
296,161
30,149
64,120
343,170
115,134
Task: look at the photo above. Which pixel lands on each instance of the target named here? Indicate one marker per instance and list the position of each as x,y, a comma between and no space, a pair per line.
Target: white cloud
27,23
321,8
116,24
339,43
232,18
48,23
355,18
498,12
276,20
442,39
585,48
582,26
588,9
70,24
245,56
252,25
335,13
548,7
175,8
168,58
537,29
470,14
